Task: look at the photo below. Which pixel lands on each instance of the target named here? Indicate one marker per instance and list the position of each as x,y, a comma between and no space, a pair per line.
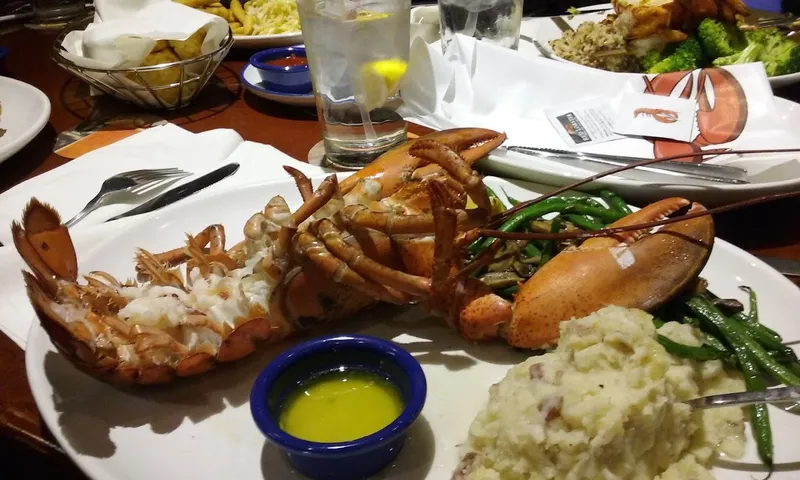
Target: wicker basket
131,85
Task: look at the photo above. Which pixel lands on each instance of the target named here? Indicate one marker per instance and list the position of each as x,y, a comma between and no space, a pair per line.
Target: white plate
25,113
767,176
202,428
543,30
252,82
267,41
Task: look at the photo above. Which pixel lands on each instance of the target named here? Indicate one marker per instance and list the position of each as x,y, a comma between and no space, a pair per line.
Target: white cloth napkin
477,84
168,145
425,23
124,31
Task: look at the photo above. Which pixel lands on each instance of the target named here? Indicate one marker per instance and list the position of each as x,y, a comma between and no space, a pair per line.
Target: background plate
25,112
543,29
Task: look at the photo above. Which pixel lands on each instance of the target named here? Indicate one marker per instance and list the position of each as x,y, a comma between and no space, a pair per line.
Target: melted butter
341,406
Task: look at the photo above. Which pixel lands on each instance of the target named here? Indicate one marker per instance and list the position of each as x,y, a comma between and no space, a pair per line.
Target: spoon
770,395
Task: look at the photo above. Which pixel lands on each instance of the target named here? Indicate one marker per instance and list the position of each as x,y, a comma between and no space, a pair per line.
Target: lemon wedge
380,80
364,15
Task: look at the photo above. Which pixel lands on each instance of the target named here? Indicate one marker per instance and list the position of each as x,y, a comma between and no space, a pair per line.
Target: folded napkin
425,23
477,84
157,147
125,31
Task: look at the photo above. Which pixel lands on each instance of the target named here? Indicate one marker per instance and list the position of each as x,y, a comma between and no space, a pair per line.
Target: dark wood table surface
27,449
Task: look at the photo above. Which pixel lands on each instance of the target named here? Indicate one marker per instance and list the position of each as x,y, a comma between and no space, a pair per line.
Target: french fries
240,22
242,16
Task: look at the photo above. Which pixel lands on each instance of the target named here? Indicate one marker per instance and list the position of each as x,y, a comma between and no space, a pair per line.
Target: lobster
394,232
658,114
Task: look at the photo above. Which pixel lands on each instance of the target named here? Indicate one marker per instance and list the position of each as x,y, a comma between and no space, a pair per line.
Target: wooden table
24,440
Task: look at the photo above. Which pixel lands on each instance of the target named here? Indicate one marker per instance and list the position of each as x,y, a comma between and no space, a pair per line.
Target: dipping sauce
341,406
290,61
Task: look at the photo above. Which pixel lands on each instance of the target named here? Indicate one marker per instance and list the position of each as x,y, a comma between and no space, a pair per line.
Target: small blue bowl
356,459
290,79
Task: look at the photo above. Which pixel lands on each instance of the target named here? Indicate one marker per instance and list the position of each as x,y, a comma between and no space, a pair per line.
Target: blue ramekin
294,79
356,459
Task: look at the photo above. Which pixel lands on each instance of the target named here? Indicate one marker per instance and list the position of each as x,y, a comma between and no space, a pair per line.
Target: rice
605,405
588,44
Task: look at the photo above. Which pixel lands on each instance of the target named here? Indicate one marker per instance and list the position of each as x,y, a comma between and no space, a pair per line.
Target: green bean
491,194
709,339
762,336
550,246
615,202
508,292
520,219
511,200
584,222
688,351
531,250
735,334
608,216
759,415
593,203
752,315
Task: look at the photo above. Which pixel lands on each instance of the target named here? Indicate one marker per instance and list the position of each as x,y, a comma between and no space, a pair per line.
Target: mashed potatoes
605,405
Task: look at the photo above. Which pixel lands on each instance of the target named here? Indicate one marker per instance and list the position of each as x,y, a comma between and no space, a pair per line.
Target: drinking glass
357,54
494,21
56,13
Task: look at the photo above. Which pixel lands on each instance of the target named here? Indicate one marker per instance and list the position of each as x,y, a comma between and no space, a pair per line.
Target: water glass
357,54
494,21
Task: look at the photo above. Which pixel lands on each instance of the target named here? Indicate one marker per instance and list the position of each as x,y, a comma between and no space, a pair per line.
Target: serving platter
25,112
268,41
543,30
202,428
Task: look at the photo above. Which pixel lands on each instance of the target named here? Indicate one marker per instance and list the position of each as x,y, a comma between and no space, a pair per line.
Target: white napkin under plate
124,31
70,186
477,84
425,23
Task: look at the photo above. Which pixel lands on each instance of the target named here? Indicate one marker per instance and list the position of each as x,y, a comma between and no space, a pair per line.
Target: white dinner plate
25,112
252,82
543,29
202,427
267,41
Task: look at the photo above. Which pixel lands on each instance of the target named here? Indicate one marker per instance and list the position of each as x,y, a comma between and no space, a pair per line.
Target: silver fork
135,181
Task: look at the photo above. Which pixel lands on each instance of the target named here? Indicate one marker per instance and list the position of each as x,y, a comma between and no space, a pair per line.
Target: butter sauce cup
354,459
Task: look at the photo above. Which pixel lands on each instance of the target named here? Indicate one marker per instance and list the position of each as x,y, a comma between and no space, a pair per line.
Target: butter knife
712,173
181,192
561,24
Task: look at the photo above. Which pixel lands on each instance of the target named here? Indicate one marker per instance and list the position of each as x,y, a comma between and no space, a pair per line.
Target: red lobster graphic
721,123
658,114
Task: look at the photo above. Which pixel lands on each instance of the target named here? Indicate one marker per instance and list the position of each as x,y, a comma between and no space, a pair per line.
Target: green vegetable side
719,44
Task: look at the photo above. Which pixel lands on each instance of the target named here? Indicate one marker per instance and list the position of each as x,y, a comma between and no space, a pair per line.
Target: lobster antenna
498,218
642,226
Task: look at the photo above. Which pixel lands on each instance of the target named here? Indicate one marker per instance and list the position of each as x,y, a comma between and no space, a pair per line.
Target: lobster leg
454,165
310,247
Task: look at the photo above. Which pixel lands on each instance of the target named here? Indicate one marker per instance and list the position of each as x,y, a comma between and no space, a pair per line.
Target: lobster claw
640,272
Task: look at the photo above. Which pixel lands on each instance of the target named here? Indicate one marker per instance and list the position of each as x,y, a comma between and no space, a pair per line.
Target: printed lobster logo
658,114
719,123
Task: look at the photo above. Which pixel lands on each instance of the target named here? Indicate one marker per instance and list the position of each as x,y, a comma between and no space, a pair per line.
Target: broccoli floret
719,39
779,54
751,53
688,55
650,58
781,57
